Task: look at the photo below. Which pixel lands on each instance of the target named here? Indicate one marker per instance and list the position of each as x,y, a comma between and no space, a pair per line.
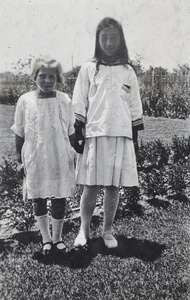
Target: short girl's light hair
47,62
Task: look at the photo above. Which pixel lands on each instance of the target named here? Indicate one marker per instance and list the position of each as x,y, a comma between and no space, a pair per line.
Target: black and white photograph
95,150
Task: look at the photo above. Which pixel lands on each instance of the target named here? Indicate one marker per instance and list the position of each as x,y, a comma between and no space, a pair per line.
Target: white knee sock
57,226
43,224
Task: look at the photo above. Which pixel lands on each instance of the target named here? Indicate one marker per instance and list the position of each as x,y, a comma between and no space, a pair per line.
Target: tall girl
44,129
108,112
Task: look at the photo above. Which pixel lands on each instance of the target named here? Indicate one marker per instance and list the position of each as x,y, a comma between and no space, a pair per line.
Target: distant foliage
174,103
70,78
163,94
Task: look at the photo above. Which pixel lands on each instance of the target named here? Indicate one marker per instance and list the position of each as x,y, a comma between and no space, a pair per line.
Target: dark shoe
46,248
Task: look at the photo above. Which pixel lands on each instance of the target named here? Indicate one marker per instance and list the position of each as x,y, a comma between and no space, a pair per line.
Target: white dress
48,158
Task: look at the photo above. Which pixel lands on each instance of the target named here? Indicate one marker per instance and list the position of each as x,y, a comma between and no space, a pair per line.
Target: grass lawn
164,129
151,262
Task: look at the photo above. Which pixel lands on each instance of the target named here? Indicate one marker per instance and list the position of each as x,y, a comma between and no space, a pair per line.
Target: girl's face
46,80
109,40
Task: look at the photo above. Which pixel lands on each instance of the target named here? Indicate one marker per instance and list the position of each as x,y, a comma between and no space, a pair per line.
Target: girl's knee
40,206
91,189
58,208
112,189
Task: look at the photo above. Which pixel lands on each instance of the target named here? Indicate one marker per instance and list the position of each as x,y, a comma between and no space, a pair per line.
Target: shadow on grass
26,238
129,247
81,258
5,247
159,203
18,239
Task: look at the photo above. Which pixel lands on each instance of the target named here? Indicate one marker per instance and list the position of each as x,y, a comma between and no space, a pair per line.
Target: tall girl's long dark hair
122,51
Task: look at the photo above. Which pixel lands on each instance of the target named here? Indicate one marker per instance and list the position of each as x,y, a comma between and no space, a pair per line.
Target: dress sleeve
18,126
80,94
135,103
71,129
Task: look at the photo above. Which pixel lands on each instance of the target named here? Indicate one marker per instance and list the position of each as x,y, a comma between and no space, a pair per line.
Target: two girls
108,113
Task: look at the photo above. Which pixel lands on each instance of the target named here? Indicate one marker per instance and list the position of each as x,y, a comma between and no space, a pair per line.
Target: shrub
20,213
163,170
153,154
10,183
155,182
178,178
180,149
128,202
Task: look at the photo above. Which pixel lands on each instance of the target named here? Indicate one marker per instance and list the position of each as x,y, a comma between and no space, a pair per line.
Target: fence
152,78
162,79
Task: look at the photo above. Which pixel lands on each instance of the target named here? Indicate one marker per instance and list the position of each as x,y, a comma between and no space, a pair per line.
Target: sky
156,32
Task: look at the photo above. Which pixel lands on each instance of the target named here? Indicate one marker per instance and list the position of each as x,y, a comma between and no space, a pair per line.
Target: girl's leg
58,213
87,205
111,200
40,209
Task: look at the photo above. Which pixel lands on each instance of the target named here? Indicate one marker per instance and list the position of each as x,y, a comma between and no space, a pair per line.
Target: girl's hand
20,169
79,140
135,140
72,140
136,146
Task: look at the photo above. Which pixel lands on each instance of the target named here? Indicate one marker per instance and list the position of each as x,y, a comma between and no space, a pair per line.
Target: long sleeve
71,119
80,94
135,103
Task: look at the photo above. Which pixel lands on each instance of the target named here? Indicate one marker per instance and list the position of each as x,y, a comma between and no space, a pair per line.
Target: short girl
44,132
108,111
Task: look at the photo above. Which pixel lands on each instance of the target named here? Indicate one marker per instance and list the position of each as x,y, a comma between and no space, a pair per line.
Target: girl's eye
42,76
52,77
114,38
103,38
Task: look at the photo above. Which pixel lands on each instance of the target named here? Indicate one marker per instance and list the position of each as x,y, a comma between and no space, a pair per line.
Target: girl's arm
135,108
72,140
135,104
80,94
19,141
71,130
80,103
18,129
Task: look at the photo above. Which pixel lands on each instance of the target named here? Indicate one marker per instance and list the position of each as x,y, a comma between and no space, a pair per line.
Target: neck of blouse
41,94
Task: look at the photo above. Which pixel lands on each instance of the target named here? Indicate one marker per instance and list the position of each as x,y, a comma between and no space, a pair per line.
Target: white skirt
107,161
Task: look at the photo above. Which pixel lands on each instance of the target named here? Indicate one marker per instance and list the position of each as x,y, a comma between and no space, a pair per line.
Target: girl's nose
47,79
109,42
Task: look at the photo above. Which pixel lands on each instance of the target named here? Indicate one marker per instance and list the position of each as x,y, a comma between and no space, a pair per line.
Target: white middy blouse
108,102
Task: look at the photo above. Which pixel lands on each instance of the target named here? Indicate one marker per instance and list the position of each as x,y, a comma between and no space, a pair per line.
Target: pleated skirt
107,161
